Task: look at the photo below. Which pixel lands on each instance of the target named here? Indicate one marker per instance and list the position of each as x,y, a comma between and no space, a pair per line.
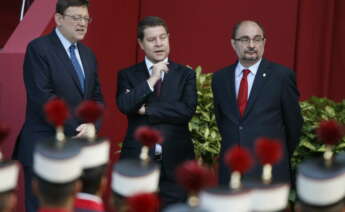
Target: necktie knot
245,73
72,47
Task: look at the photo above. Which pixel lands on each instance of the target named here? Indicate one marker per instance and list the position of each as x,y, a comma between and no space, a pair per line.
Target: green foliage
315,110
203,125
206,138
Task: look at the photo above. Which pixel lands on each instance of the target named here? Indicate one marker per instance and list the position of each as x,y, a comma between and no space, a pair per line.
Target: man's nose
251,43
159,42
83,22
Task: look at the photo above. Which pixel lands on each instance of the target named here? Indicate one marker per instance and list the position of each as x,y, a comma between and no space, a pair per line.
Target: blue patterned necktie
77,67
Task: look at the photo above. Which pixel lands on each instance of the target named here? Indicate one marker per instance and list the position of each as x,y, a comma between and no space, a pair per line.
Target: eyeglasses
246,40
79,18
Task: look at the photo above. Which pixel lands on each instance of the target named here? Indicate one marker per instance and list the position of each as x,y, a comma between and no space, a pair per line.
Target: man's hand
160,67
142,110
86,130
157,70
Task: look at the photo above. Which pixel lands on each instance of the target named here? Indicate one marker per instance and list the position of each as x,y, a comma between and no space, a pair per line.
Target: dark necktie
243,92
77,66
157,87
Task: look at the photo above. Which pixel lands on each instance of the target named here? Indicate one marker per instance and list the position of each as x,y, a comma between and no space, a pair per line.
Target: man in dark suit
254,98
162,94
57,65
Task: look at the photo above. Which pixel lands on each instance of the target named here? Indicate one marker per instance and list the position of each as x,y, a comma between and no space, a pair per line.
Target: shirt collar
53,210
149,64
66,43
91,197
253,69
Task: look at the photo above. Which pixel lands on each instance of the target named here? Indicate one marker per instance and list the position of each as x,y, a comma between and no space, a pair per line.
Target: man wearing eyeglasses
57,66
256,98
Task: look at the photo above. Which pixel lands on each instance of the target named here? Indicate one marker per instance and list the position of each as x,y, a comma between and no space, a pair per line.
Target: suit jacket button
240,127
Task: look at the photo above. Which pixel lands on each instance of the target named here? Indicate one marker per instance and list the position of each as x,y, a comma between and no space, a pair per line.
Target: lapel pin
264,74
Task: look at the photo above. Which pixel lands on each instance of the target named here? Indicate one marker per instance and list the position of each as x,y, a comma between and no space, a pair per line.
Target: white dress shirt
149,64
250,78
66,44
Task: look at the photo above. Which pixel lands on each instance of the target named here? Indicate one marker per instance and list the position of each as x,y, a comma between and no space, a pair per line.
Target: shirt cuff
152,89
158,149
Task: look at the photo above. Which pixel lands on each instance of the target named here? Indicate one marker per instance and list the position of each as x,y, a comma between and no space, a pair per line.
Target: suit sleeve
37,77
97,92
97,95
130,98
293,119
216,107
176,112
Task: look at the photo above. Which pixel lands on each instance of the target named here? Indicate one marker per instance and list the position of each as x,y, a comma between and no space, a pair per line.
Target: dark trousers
169,191
31,202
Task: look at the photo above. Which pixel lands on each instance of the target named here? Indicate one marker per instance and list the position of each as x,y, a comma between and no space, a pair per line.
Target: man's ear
140,44
264,42
103,185
233,43
77,187
58,17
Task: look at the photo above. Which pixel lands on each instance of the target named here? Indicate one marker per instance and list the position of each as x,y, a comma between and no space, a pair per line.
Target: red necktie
157,87
243,92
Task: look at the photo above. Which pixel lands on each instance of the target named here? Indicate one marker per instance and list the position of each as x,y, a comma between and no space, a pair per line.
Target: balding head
248,42
245,22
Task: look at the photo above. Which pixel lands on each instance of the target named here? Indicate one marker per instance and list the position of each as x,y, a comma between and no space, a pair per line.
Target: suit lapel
260,80
141,72
68,67
232,93
234,113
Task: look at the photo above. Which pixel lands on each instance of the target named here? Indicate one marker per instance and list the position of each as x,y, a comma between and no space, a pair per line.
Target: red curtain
9,18
306,35
319,57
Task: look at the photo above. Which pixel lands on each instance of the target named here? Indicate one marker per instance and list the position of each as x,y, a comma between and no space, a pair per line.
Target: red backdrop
306,35
9,18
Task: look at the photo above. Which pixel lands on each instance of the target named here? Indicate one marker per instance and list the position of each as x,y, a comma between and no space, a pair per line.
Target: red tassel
145,202
238,159
330,132
56,111
194,177
269,151
89,111
148,136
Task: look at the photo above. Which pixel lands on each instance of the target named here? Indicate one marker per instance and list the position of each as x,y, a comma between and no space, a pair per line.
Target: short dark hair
92,178
55,194
62,5
150,21
237,26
